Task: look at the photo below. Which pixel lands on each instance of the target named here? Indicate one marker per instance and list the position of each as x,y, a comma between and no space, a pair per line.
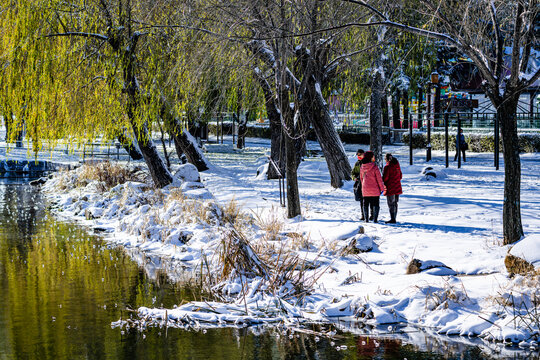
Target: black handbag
357,190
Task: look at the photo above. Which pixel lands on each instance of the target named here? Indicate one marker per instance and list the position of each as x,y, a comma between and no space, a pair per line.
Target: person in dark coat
355,174
372,185
392,185
462,145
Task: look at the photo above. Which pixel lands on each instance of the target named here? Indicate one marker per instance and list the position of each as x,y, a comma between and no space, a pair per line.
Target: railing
460,120
476,121
469,121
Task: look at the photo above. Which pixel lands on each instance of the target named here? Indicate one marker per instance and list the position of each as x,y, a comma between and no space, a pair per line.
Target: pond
61,287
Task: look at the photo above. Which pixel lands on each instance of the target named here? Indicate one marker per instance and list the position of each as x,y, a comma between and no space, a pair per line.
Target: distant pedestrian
372,185
462,145
392,185
355,174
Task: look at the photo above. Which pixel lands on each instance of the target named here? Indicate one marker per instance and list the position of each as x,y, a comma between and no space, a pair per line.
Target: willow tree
92,69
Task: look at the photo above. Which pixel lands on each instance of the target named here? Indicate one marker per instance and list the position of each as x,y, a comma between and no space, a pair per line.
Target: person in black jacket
462,145
355,174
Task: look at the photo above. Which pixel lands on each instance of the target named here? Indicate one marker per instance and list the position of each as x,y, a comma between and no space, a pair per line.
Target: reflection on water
61,288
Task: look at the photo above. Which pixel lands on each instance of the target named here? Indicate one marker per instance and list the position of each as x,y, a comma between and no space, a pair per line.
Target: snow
187,172
528,249
357,270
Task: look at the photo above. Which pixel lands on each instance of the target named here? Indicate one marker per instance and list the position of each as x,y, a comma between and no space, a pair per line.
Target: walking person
392,185
372,185
462,145
355,174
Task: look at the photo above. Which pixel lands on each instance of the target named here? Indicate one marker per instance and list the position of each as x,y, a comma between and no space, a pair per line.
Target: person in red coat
392,185
372,185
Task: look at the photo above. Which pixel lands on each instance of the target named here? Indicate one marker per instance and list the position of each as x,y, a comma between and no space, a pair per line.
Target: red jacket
392,179
372,184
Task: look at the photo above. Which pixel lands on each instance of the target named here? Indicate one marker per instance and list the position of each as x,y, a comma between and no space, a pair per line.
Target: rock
431,267
100,229
40,181
414,267
428,171
262,172
357,244
188,172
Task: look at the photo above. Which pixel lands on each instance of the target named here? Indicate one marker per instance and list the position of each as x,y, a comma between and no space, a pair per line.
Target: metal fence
477,121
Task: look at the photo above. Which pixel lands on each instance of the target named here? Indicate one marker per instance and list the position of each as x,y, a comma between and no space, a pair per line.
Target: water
62,287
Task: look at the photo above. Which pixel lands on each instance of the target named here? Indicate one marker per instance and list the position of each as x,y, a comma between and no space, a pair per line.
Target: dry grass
271,225
239,258
232,214
299,241
515,265
283,271
108,175
442,298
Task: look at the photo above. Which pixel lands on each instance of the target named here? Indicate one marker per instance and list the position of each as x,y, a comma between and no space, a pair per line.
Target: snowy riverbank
454,219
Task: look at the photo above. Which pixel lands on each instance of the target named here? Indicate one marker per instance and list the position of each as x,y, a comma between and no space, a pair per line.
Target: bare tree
498,36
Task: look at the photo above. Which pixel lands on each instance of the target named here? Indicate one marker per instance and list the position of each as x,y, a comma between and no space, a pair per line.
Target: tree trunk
177,147
385,111
405,100
395,110
183,138
512,227
277,148
130,147
331,146
437,106
420,101
277,140
189,147
242,130
375,116
293,195
158,171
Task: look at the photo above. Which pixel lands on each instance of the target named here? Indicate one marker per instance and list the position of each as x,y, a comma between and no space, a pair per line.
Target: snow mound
524,256
528,249
262,172
431,267
430,173
187,172
359,243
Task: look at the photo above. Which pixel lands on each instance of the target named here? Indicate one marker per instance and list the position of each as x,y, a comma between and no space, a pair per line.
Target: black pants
371,202
392,201
463,152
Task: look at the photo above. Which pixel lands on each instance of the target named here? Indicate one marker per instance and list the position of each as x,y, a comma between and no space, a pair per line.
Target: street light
434,78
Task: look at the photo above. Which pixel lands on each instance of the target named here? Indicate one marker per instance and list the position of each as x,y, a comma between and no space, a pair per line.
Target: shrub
419,140
477,142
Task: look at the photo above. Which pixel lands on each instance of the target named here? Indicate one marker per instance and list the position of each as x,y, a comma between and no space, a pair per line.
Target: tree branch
529,38
533,79
80,34
369,7
514,69
499,42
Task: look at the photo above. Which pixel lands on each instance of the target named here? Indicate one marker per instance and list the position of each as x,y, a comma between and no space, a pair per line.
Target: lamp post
437,102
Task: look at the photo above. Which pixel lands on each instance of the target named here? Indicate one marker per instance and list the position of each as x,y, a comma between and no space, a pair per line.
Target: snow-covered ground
454,219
